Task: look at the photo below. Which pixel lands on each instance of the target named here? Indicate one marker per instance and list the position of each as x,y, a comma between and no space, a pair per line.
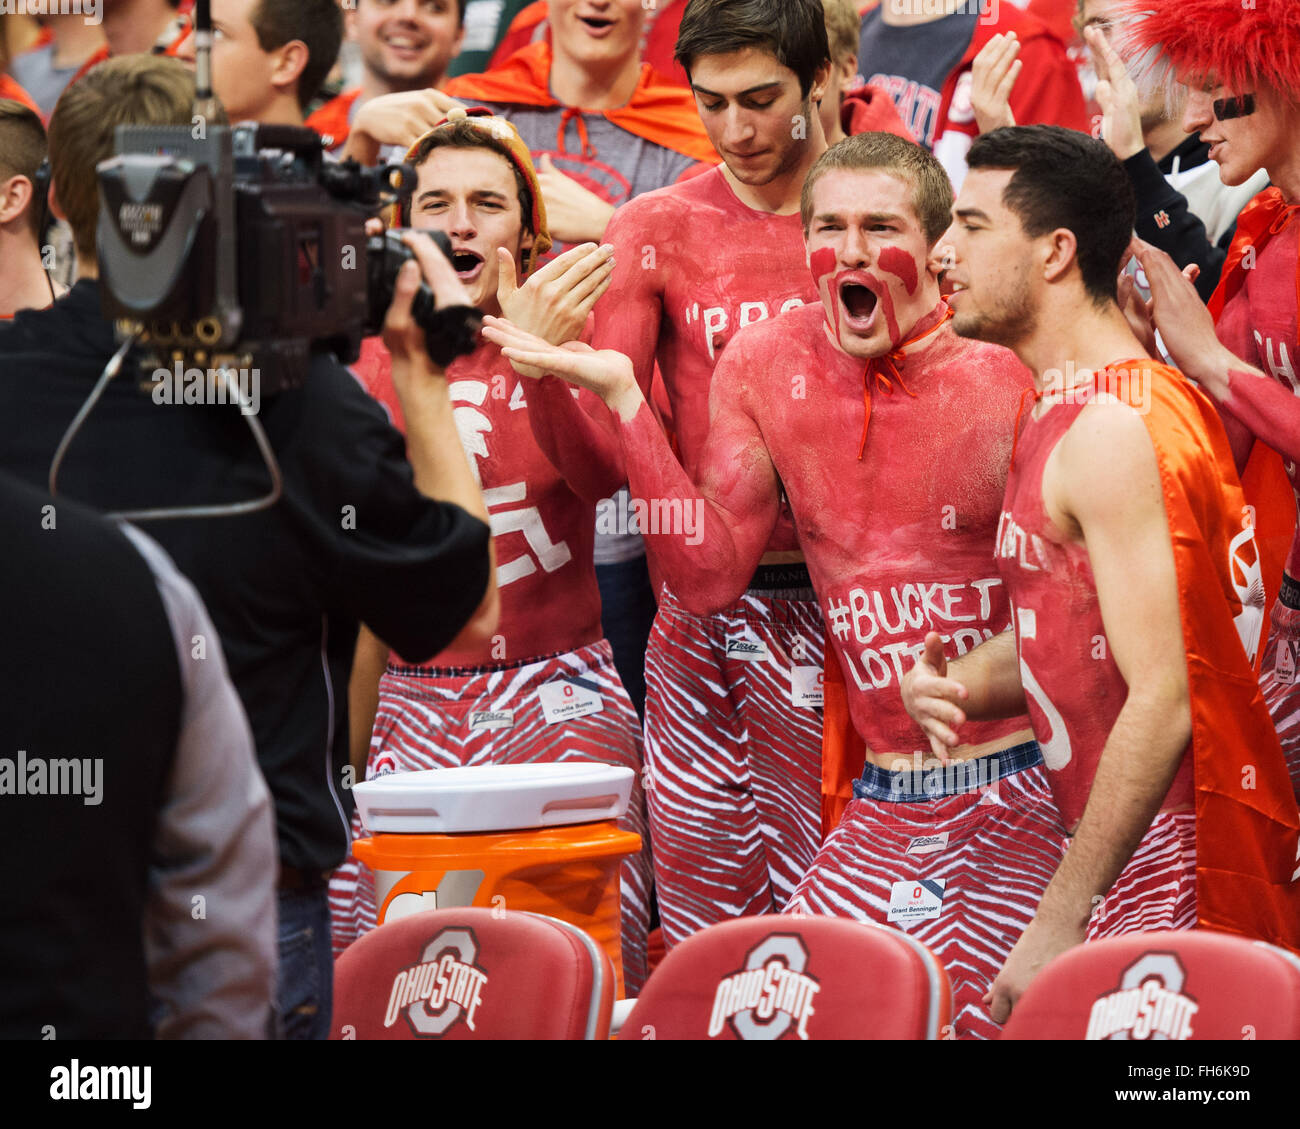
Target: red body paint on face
886,301
822,264
901,265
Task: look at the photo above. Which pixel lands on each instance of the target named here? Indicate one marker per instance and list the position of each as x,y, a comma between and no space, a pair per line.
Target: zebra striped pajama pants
733,784
423,722
1279,682
982,839
1157,887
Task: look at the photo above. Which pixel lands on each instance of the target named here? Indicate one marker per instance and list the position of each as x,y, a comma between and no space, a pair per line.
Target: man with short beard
1116,543
405,45
848,407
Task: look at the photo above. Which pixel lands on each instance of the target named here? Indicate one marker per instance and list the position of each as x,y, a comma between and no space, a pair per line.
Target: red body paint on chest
901,265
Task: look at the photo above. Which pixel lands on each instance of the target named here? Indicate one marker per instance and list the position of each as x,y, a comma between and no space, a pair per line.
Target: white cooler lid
493,797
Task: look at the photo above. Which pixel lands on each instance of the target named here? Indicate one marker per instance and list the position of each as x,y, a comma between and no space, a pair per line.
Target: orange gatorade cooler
542,838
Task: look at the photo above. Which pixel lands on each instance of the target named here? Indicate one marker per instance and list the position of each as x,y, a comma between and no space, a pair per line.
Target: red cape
658,111
1247,823
1265,482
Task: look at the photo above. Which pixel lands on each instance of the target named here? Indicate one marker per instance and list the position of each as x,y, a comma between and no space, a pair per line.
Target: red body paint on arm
729,518
578,437
1269,410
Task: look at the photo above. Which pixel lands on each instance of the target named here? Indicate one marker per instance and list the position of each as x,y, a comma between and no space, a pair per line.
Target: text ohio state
765,991
441,982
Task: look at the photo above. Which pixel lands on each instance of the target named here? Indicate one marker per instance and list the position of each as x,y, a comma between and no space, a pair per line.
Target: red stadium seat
1192,984
474,974
794,978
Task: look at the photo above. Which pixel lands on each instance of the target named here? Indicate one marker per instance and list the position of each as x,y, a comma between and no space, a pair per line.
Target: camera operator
358,535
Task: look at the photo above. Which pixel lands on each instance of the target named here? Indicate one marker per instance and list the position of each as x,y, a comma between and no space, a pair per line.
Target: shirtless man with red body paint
733,728
891,438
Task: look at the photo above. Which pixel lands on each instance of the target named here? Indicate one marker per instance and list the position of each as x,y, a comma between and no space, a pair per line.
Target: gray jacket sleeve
210,925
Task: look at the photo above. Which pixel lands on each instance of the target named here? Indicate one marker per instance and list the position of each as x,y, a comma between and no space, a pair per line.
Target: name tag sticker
1285,668
563,701
918,899
806,685
491,719
750,650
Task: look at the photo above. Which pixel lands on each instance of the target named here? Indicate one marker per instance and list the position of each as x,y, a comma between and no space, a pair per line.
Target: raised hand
395,119
1121,115
573,214
607,373
993,76
554,302
1177,311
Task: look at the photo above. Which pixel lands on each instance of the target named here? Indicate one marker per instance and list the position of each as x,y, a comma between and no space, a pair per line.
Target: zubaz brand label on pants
916,899
750,650
491,719
563,701
806,685
928,844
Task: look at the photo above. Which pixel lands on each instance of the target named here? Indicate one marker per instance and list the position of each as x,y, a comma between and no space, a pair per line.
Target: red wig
1241,43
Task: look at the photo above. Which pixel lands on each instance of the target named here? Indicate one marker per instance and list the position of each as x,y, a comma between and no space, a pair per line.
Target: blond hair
932,190
843,27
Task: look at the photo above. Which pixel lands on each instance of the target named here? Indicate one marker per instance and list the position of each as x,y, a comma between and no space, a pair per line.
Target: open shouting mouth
468,264
859,304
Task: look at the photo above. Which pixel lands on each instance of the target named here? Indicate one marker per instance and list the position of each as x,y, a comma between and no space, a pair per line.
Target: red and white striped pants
423,722
1279,682
1157,888
734,766
984,838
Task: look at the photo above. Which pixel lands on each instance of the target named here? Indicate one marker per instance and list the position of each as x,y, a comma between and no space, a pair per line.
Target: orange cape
658,111
331,120
1247,823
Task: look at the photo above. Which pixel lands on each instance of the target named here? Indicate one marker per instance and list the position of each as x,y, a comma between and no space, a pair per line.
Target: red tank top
1073,685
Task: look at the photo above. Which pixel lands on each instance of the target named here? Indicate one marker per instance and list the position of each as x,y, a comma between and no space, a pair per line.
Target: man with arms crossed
851,407
1121,499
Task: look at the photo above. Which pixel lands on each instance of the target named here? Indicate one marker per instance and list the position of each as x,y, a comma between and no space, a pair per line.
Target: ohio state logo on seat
443,989
1149,1003
770,994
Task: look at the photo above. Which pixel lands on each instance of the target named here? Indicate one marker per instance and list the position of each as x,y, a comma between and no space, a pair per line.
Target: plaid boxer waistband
923,785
